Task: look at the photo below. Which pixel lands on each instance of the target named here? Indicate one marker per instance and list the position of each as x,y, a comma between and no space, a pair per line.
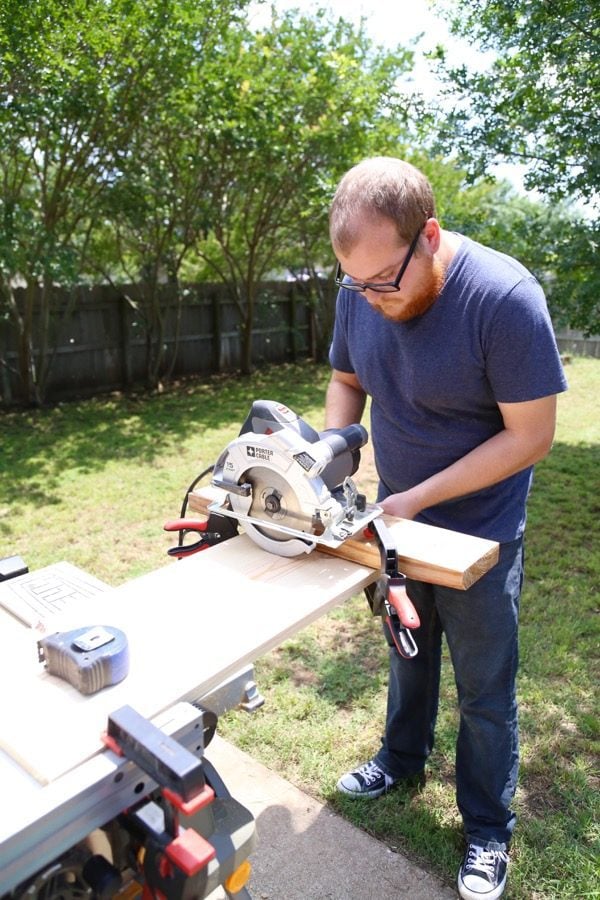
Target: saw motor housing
290,485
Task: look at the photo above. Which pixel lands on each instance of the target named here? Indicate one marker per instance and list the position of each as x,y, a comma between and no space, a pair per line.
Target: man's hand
403,506
525,439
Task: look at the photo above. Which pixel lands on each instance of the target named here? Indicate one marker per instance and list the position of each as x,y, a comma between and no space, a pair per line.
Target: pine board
427,553
190,625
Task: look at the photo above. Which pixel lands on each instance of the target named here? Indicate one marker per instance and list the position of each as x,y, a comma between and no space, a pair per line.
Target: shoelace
484,860
370,772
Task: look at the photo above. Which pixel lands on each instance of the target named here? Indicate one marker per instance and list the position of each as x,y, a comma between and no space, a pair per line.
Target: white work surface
190,625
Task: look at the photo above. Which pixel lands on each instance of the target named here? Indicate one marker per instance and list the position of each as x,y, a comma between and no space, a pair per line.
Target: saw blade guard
339,447
290,485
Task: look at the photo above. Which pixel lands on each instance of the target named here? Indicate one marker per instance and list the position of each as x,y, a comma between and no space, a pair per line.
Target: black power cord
187,494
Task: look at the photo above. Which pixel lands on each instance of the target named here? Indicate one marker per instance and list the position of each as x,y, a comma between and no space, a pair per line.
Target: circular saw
290,486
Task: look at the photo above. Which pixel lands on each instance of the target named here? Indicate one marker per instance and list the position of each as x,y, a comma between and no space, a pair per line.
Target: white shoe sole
467,894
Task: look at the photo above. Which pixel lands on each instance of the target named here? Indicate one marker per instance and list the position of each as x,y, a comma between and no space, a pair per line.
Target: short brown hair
380,187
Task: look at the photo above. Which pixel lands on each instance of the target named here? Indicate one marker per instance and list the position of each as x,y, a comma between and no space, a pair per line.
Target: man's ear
433,234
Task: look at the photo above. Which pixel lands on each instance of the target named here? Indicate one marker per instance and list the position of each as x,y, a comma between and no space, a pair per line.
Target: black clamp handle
212,531
388,597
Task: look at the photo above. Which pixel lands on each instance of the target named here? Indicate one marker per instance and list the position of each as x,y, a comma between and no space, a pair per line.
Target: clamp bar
165,760
388,597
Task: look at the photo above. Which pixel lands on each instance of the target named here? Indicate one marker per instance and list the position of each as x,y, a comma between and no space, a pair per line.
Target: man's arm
526,438
345,401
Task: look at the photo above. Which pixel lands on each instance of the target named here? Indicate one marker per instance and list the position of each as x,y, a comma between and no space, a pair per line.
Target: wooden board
190,625
435,555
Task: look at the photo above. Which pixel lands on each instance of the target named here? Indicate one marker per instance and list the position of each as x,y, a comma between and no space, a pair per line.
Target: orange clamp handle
185,525
407,614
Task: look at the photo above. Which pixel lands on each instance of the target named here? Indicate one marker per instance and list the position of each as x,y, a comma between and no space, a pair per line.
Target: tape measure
89,658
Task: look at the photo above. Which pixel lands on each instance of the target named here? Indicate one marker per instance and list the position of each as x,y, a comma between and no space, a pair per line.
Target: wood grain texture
190,625
435,555
196,622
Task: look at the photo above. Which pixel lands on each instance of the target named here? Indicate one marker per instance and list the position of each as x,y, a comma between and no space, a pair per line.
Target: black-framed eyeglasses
384,287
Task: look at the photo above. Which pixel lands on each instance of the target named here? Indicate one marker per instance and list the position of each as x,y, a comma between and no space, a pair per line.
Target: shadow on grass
341,659
37,445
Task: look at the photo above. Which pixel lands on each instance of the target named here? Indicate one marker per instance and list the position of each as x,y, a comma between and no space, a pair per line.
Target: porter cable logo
259,453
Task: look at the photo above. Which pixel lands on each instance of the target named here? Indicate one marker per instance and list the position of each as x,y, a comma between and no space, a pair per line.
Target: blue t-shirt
436,381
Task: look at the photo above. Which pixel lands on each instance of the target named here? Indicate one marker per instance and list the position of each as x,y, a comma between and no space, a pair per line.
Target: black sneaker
367,781
482,875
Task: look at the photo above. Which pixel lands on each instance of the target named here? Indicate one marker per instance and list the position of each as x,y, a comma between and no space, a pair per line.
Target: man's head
381,187
383,225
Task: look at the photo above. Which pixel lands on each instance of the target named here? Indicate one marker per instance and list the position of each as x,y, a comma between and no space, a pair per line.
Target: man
453,343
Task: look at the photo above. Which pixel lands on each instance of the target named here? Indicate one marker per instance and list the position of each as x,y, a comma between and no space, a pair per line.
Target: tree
158,205
84,87
548,238
67,79
298,104
58,96
538,102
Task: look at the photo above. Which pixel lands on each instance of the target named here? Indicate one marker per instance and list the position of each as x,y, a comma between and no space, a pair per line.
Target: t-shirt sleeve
522,358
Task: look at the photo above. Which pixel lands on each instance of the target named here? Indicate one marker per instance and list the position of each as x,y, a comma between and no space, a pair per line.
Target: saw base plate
333,536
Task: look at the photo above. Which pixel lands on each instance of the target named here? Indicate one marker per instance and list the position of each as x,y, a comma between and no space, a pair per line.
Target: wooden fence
102,344
573,343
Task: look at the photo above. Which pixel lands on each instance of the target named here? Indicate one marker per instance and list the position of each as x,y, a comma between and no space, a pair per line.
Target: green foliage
163,141
77,81
537,103
300,101
132,134
158,204
65,115
554,243
559,247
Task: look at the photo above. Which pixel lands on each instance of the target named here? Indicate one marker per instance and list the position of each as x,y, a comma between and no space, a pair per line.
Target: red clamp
212,531
188,850
181,853
388,597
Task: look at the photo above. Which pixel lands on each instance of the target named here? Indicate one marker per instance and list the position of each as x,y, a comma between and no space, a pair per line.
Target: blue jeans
480,625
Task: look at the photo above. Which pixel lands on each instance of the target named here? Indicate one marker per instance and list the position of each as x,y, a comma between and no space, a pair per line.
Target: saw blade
275,502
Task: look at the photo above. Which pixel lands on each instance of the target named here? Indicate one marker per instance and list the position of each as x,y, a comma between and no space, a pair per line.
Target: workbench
192,625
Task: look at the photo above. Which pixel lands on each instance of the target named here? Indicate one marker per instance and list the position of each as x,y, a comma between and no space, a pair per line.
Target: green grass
93,482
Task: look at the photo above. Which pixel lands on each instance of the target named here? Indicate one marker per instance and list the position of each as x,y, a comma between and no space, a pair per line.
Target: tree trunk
246,347
175,289
25,348
247,328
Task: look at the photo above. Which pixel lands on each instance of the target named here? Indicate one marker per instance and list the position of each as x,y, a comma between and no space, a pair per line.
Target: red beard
429,289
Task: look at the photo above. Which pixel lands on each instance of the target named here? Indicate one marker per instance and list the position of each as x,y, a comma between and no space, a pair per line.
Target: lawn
92,482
